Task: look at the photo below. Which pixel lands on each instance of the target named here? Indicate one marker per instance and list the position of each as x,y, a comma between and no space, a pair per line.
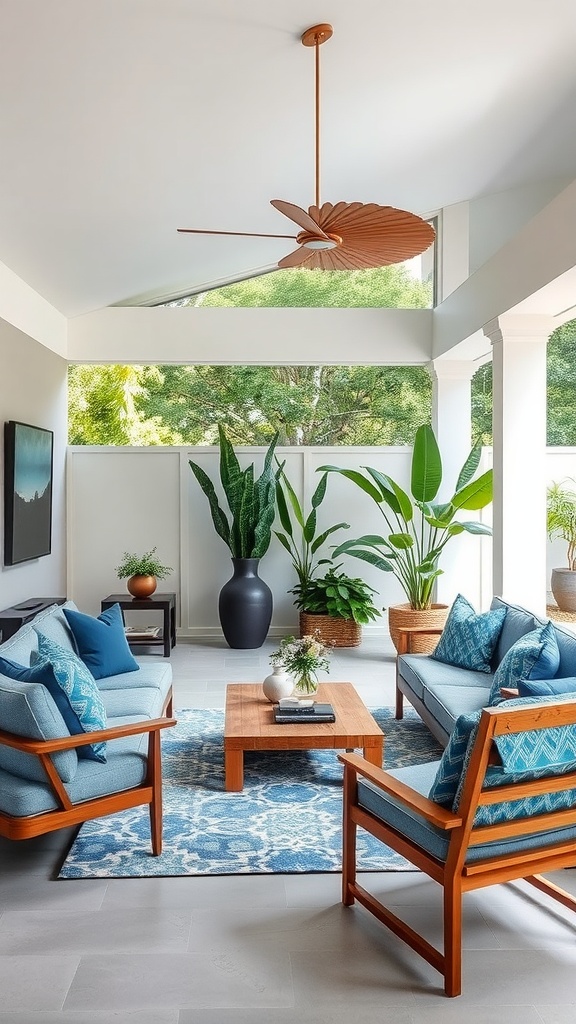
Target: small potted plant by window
143,572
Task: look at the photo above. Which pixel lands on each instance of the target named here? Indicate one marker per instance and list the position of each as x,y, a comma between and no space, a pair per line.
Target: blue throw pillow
534,656
101,642
447,780
546,687
71,686
468,640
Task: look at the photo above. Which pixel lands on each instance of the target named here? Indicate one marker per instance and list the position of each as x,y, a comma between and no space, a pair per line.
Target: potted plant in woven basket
341,626
335,607
561,522
419,528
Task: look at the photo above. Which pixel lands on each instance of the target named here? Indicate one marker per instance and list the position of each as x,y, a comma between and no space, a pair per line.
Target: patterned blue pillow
75,692
102,642
468,640
534,754
531,657
445,786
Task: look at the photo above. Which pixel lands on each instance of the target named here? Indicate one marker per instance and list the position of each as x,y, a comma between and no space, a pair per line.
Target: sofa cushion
101,642
469,639
145,702
517,622
28,710
150,673
567,647
55,626
74,691
421,671
447,703
546,687
534,656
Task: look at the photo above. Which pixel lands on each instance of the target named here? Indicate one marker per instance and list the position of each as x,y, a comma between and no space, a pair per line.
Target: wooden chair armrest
433,813
508,691
405,634
433,630
116,732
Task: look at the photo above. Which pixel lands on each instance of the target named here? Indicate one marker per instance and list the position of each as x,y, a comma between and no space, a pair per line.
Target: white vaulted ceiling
122,120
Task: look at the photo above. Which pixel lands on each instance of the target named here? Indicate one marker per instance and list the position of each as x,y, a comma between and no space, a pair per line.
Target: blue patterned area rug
286,820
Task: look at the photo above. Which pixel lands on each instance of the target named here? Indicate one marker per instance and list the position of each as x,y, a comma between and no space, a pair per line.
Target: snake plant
252,502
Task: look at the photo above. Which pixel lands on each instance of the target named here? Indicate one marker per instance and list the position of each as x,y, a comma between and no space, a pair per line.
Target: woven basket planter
403,615
333,631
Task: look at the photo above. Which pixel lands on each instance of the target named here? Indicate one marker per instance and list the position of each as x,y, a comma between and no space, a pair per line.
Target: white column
519,437
452,414
452,423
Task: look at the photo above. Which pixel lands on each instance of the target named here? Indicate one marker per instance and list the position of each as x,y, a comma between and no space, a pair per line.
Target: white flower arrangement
303,658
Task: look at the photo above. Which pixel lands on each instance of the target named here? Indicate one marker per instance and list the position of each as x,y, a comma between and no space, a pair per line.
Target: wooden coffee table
249,725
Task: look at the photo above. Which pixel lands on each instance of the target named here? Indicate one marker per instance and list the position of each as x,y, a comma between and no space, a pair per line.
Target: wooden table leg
233,770
375,754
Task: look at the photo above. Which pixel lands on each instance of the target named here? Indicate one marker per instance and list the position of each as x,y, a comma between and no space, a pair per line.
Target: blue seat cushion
534,656
425,835
469,639
101,642
74,691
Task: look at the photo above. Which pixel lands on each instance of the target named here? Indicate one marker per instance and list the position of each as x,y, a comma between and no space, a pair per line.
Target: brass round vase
141,586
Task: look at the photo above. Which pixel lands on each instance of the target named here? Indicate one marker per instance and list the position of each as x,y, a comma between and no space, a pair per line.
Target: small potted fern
143,572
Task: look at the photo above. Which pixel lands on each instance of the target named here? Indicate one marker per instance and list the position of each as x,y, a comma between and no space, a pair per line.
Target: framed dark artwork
28,455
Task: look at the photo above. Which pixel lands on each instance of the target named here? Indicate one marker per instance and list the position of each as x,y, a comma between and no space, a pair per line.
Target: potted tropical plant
561,522
300,538
143,572
419,528
335,607
245,601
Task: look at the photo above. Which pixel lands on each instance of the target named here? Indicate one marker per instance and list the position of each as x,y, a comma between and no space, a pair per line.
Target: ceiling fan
344,236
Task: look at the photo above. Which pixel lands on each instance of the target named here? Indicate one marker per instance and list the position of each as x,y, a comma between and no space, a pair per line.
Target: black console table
166,603
12,618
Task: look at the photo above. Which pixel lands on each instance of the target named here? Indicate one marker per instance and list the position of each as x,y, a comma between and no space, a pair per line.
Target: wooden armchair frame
455,875
66,814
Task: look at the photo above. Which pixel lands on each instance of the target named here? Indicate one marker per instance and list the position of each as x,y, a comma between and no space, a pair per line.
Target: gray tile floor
266,949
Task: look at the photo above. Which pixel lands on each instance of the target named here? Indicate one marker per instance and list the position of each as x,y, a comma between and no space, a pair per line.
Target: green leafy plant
419,528
251,501
338,595
561,517
303,547
147,564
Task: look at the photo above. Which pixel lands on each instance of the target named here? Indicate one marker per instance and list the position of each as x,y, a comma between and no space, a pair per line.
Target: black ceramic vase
245,606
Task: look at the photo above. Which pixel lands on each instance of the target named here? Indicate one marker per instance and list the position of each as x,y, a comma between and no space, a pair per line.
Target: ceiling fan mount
344,236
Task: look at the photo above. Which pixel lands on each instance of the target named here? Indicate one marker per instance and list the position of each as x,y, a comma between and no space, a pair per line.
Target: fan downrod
317,35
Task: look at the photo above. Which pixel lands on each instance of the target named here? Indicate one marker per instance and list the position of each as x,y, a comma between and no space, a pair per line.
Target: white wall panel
132,499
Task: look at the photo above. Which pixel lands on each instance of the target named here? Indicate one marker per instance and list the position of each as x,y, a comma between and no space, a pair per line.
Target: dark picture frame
28,470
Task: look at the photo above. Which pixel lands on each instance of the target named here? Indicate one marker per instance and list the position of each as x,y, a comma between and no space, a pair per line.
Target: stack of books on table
293,711
142,632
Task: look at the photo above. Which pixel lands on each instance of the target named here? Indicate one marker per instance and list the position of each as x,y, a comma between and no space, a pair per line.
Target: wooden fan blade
299,216
299,258
372,236
243,234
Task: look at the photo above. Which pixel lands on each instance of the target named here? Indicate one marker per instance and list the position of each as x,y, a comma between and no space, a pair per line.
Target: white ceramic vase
277,685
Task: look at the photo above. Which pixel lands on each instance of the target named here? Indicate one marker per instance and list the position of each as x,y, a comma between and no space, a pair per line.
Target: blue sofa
45,781
441,692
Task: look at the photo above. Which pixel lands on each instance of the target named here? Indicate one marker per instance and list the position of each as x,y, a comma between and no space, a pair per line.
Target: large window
307,405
